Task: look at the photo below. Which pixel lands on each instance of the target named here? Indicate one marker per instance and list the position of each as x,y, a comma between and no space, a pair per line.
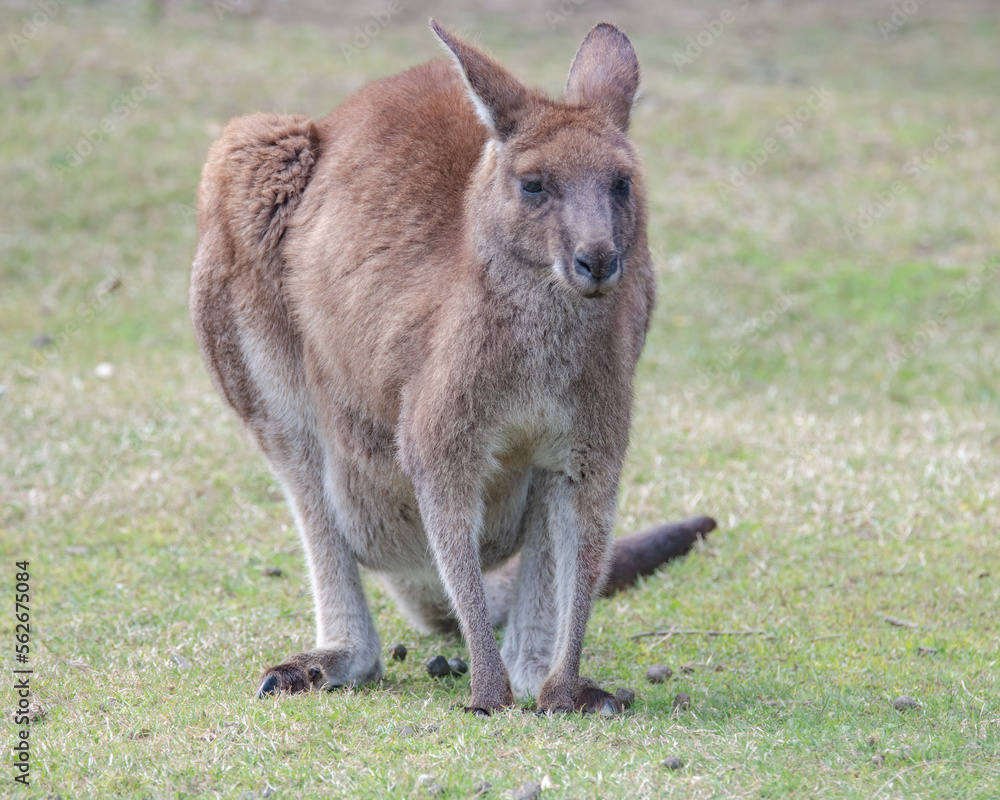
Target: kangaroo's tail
251,185
640,554
253,180
633,557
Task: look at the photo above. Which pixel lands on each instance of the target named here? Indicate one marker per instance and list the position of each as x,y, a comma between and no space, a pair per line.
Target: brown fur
437,359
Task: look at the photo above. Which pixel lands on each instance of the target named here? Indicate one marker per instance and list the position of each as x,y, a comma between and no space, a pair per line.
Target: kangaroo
426,309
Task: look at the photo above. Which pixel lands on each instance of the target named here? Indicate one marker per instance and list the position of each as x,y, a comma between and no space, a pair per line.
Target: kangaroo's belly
378,514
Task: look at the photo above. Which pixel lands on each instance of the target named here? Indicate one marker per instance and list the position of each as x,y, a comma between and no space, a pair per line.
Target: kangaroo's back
396,161
380,231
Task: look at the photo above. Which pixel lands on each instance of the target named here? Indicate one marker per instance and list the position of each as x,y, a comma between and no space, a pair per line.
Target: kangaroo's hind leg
347,645
254,179
531,612
422,598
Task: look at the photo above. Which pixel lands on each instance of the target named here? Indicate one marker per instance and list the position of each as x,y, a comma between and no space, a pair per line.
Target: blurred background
822,374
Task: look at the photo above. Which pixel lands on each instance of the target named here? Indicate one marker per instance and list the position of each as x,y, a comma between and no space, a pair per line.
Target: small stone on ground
673,762
658,673
625,697
179,661
682,701
905,703
530,791
104,370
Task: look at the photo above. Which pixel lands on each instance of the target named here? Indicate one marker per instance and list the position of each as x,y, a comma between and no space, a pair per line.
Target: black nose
595,266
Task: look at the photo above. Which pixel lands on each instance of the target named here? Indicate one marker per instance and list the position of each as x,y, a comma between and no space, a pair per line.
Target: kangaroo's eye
621,186
531,187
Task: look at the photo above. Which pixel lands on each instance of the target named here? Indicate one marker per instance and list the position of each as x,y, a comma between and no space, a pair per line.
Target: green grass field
823,377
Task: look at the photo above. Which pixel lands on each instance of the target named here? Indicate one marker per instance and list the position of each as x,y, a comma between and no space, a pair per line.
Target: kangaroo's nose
597,265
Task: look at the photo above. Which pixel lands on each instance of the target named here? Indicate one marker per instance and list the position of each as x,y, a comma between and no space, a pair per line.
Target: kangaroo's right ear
497,95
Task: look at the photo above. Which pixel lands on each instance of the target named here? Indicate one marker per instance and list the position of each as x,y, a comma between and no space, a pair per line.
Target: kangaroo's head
558,188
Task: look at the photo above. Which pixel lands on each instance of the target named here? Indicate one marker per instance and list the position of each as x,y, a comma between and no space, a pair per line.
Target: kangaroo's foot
315,670
497,697
587,698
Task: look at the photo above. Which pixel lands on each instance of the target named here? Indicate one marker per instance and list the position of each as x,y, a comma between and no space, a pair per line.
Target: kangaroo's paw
317,670
592,699
588,698
491,695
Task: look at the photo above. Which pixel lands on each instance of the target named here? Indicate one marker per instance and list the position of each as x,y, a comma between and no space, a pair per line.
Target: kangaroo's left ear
605,74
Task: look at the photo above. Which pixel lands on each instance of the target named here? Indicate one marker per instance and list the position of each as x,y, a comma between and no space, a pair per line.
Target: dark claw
284,678
268,686
479,712
315,672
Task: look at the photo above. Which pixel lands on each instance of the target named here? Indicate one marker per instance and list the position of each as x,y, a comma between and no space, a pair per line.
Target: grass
833,402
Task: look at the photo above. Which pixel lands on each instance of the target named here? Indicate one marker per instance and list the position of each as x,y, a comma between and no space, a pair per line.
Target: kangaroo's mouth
587,283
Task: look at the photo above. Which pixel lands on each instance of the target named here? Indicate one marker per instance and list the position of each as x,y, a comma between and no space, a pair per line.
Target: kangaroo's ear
496,94
605,74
